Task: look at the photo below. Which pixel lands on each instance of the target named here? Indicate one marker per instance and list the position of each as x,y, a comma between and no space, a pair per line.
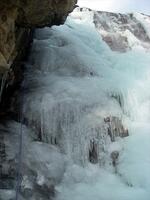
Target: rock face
43,13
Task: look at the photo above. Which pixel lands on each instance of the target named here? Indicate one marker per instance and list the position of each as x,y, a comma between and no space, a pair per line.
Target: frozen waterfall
87,114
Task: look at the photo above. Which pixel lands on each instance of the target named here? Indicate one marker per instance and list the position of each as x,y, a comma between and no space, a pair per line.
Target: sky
117,5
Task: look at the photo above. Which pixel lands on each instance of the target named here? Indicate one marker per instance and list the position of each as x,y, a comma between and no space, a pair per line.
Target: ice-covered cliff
121,32
85,113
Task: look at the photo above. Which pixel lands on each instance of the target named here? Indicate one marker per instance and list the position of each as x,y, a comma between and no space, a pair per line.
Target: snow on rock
122,32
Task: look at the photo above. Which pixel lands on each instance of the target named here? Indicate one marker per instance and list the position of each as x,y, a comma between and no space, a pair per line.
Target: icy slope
81,100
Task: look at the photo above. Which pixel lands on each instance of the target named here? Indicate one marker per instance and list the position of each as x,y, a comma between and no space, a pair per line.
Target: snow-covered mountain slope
86,113
121,32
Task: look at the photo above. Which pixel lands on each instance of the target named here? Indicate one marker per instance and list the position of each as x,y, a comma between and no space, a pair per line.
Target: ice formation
81,100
